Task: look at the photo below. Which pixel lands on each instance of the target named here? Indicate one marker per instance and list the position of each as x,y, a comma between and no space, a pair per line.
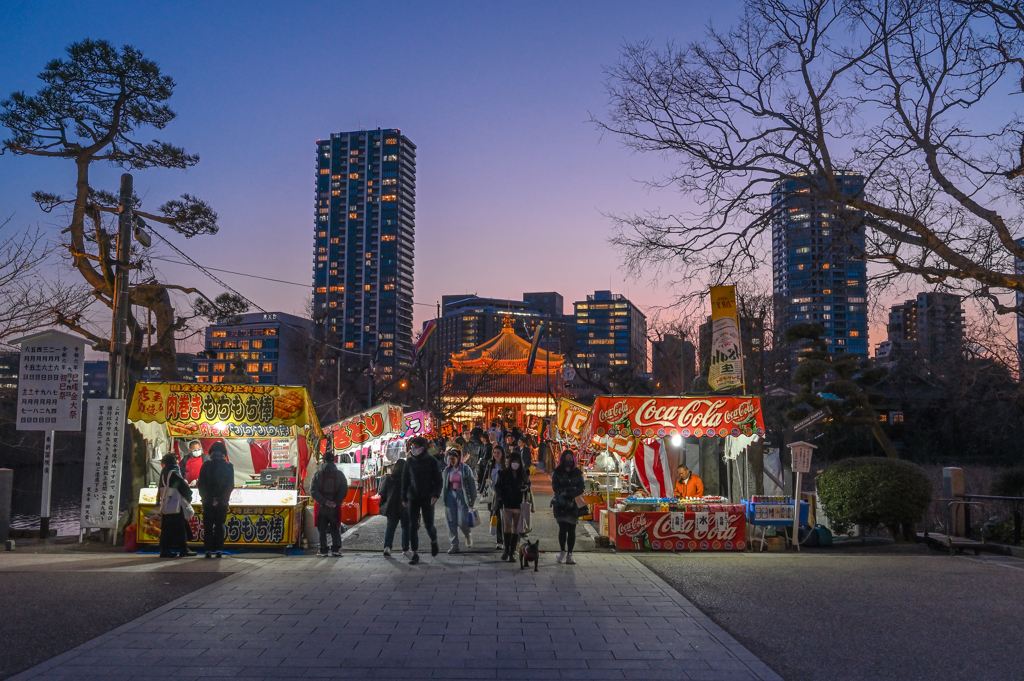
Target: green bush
1009,483
875,492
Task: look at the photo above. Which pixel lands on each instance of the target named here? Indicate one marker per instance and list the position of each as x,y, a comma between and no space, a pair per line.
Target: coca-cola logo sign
617,412
698,413
681,530
633,526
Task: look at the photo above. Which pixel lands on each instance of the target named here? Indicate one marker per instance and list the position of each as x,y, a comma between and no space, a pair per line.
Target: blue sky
513,180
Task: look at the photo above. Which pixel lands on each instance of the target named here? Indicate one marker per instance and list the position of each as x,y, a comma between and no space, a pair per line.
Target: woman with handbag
458,489
566,484
175,500
495,466
511,488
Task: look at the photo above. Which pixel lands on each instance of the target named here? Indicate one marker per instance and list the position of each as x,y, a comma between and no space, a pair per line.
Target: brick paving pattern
451,617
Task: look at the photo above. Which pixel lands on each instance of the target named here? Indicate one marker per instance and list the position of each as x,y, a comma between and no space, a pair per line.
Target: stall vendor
688,484
193,462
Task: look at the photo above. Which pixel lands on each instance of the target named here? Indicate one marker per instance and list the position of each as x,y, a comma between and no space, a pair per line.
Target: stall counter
256,517
722,527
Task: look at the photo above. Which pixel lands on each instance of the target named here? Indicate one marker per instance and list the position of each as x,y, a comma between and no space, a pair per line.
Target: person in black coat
216,482
421,488
394,510
328,488
510,491
566,484
174,531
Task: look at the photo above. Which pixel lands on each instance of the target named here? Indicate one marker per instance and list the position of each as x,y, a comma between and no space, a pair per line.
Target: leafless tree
23,303
915,95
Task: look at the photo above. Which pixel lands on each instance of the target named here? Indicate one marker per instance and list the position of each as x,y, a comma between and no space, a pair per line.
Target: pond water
65,497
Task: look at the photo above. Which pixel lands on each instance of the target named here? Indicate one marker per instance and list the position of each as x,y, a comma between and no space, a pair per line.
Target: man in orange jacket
688,484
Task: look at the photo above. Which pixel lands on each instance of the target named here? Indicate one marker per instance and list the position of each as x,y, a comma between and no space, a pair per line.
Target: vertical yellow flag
726,370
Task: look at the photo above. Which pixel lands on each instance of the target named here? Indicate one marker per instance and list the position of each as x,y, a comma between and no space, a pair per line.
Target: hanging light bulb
677,440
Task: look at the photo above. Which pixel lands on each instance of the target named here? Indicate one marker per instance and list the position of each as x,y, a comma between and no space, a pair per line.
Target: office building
930,327
468,320
818,264
752,340
272,345
10,363
186,369
365,238
611,332
673,361
95,378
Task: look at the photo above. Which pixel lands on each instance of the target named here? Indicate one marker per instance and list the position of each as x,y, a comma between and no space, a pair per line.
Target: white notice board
101,481
50,382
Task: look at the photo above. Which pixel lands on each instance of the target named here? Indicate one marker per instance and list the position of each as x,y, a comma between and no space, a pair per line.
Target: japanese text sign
50,382
101,481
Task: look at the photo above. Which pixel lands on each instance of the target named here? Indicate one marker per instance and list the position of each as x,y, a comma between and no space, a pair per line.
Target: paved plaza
454,617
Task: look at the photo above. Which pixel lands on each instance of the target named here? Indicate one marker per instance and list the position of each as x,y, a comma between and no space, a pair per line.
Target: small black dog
527,552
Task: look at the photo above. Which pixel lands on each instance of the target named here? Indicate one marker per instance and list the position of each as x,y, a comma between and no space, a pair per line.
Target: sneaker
407,553
218,554
453,550
569,560
336,554
499,547
188,554
415,559
469,540
209,555
561,557
434,548
387,550
321,554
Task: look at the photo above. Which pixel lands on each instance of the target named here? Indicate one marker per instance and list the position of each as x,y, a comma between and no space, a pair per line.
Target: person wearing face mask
421,488
192,464
510,489
566,484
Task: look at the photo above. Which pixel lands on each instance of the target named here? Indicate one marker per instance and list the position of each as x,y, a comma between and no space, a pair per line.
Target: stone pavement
451,617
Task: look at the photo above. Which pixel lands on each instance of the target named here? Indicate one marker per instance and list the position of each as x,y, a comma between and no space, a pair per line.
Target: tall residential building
673,363
365,239
818,264
930,327
752,342
468,320
273,346
610,332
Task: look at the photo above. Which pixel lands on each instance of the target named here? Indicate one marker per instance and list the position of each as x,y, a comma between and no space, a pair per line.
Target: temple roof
507,350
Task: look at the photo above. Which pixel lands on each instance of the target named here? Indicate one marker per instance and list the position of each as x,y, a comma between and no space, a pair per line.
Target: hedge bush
1009,483
875,492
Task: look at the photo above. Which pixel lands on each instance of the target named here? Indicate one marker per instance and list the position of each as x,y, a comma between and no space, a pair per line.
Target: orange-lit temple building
490,380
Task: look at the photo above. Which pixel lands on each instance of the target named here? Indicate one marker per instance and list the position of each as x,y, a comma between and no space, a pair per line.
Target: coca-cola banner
719,528
658,417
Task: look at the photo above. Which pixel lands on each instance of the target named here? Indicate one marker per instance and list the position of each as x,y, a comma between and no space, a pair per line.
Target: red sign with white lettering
719,528
650,417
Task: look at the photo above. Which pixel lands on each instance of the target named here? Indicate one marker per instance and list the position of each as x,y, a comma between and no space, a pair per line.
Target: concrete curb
755,665
57,660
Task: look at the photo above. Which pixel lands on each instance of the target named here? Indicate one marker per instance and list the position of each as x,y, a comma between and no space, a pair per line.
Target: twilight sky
513,181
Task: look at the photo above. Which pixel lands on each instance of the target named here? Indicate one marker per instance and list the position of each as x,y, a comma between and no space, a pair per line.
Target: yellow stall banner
224,410
726,370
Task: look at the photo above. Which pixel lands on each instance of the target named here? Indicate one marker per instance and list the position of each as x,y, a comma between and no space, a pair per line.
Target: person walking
495,466
458,489
174,530
216,482
421,488
511,488
473,448
394,510
566,484
328,489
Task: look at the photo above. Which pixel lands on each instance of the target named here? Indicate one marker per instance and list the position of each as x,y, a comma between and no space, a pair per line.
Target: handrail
989,496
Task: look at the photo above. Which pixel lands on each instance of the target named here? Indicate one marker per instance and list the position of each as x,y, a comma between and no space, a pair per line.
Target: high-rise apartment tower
818,265
365,239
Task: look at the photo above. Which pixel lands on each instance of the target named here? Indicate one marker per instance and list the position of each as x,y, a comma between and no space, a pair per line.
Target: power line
241,274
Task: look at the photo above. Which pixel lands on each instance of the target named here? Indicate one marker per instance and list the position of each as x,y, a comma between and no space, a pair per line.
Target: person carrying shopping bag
458,489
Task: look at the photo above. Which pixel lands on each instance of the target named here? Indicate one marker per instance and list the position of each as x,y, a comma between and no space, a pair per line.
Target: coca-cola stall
700,431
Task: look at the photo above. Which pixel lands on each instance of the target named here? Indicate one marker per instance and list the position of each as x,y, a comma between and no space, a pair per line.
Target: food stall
654,435
359,445
269,432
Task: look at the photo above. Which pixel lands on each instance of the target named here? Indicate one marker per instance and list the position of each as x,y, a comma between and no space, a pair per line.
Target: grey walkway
459,617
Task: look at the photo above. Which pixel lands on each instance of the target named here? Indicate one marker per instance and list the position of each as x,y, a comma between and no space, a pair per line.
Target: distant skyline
513,181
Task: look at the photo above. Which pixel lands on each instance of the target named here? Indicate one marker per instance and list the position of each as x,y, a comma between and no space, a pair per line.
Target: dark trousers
214,519
325,523
426,509
173,533
566,536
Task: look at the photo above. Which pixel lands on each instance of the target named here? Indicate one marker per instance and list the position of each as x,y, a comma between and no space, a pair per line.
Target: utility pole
117,382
